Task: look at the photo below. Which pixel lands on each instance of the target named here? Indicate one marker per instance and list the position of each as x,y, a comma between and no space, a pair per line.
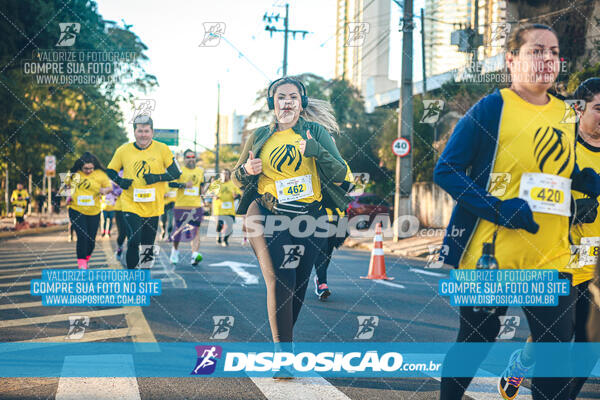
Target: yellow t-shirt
224,199
190,197
282,160
141,199
18,199
531,139
587,157
85,197
341,213
170,195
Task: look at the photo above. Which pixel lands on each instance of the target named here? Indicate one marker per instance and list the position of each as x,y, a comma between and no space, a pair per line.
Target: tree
38,120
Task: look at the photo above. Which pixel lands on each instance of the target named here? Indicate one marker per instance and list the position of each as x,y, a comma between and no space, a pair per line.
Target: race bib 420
546,193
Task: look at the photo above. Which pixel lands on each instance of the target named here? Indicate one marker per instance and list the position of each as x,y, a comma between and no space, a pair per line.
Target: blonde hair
321,112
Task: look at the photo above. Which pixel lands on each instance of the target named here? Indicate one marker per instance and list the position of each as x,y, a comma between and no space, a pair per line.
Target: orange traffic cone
377,265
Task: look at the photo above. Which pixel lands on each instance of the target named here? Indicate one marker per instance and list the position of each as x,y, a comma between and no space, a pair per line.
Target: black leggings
324,256
121,229
547,324
222,220
86,227
286,286
582,312
139,231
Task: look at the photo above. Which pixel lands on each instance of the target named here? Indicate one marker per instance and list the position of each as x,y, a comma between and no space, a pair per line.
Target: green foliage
38,120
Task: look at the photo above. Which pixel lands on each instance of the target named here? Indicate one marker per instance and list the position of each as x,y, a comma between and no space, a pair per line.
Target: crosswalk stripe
15,293
13,284
63,265
11,306
135,316
316,388
87,337
98,388
383,282
9,323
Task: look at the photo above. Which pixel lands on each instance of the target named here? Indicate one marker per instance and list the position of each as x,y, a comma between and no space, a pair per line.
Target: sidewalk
35,223
414,246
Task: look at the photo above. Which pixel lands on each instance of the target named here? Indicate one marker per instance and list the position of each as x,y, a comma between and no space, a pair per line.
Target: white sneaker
174,256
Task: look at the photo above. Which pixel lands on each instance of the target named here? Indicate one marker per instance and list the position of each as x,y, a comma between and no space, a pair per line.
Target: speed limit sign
401,147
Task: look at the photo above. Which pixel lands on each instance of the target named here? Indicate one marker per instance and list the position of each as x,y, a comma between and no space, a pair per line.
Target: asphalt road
407,309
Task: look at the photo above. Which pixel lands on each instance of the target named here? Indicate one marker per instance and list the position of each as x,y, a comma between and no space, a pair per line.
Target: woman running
492,140
288,169
108,212
88,184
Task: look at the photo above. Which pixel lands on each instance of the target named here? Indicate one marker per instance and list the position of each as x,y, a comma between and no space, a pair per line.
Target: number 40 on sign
401,147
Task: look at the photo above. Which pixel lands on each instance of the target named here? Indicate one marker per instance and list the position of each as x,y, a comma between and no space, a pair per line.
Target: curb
31,232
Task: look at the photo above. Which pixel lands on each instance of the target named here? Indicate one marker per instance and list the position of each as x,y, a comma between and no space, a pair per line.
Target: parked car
371,205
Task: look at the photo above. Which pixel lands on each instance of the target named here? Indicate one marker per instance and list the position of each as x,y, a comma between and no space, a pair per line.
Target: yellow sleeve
167,156
349,176
116,163
104,180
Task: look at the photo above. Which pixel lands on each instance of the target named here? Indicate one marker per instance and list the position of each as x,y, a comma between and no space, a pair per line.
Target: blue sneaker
512,377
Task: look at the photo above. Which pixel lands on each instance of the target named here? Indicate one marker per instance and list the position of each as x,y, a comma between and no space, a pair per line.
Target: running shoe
244,242
512,377
321,289
118,253
174,257
196,259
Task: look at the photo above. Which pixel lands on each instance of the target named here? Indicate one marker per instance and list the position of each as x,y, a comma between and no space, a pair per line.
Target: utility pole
404,178
196,131
423,60
218,127
286,30
475,36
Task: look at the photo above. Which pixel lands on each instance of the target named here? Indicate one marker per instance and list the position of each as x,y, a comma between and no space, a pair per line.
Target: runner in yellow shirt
88,182
147,167
19,200
223,207
188,209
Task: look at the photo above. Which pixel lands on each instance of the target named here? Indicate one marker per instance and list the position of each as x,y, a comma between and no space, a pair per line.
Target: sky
188,74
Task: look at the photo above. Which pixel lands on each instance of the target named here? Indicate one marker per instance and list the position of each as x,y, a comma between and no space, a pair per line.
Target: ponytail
321,112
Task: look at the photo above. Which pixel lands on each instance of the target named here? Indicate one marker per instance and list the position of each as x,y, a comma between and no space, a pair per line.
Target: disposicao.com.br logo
369,361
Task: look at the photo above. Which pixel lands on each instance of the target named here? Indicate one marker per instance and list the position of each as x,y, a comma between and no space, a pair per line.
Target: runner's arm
585,181
124,183
177,185
173,172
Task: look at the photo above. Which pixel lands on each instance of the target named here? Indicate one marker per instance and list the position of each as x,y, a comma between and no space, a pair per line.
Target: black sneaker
322,290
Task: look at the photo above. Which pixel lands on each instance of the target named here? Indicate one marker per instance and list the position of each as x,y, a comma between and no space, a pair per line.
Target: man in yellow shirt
223,207
19,200
188,211
147,167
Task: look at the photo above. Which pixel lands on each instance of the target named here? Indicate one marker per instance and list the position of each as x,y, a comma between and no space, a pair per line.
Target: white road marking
62,317
237,267
424,272
15,293
30,304
70,388
314,388
384,282
87,337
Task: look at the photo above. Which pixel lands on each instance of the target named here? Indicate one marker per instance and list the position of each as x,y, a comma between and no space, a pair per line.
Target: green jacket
330,164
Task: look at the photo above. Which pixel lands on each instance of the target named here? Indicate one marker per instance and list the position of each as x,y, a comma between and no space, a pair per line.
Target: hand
516,214
303,143
586,211
151,178
254,165
125,183
189,184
